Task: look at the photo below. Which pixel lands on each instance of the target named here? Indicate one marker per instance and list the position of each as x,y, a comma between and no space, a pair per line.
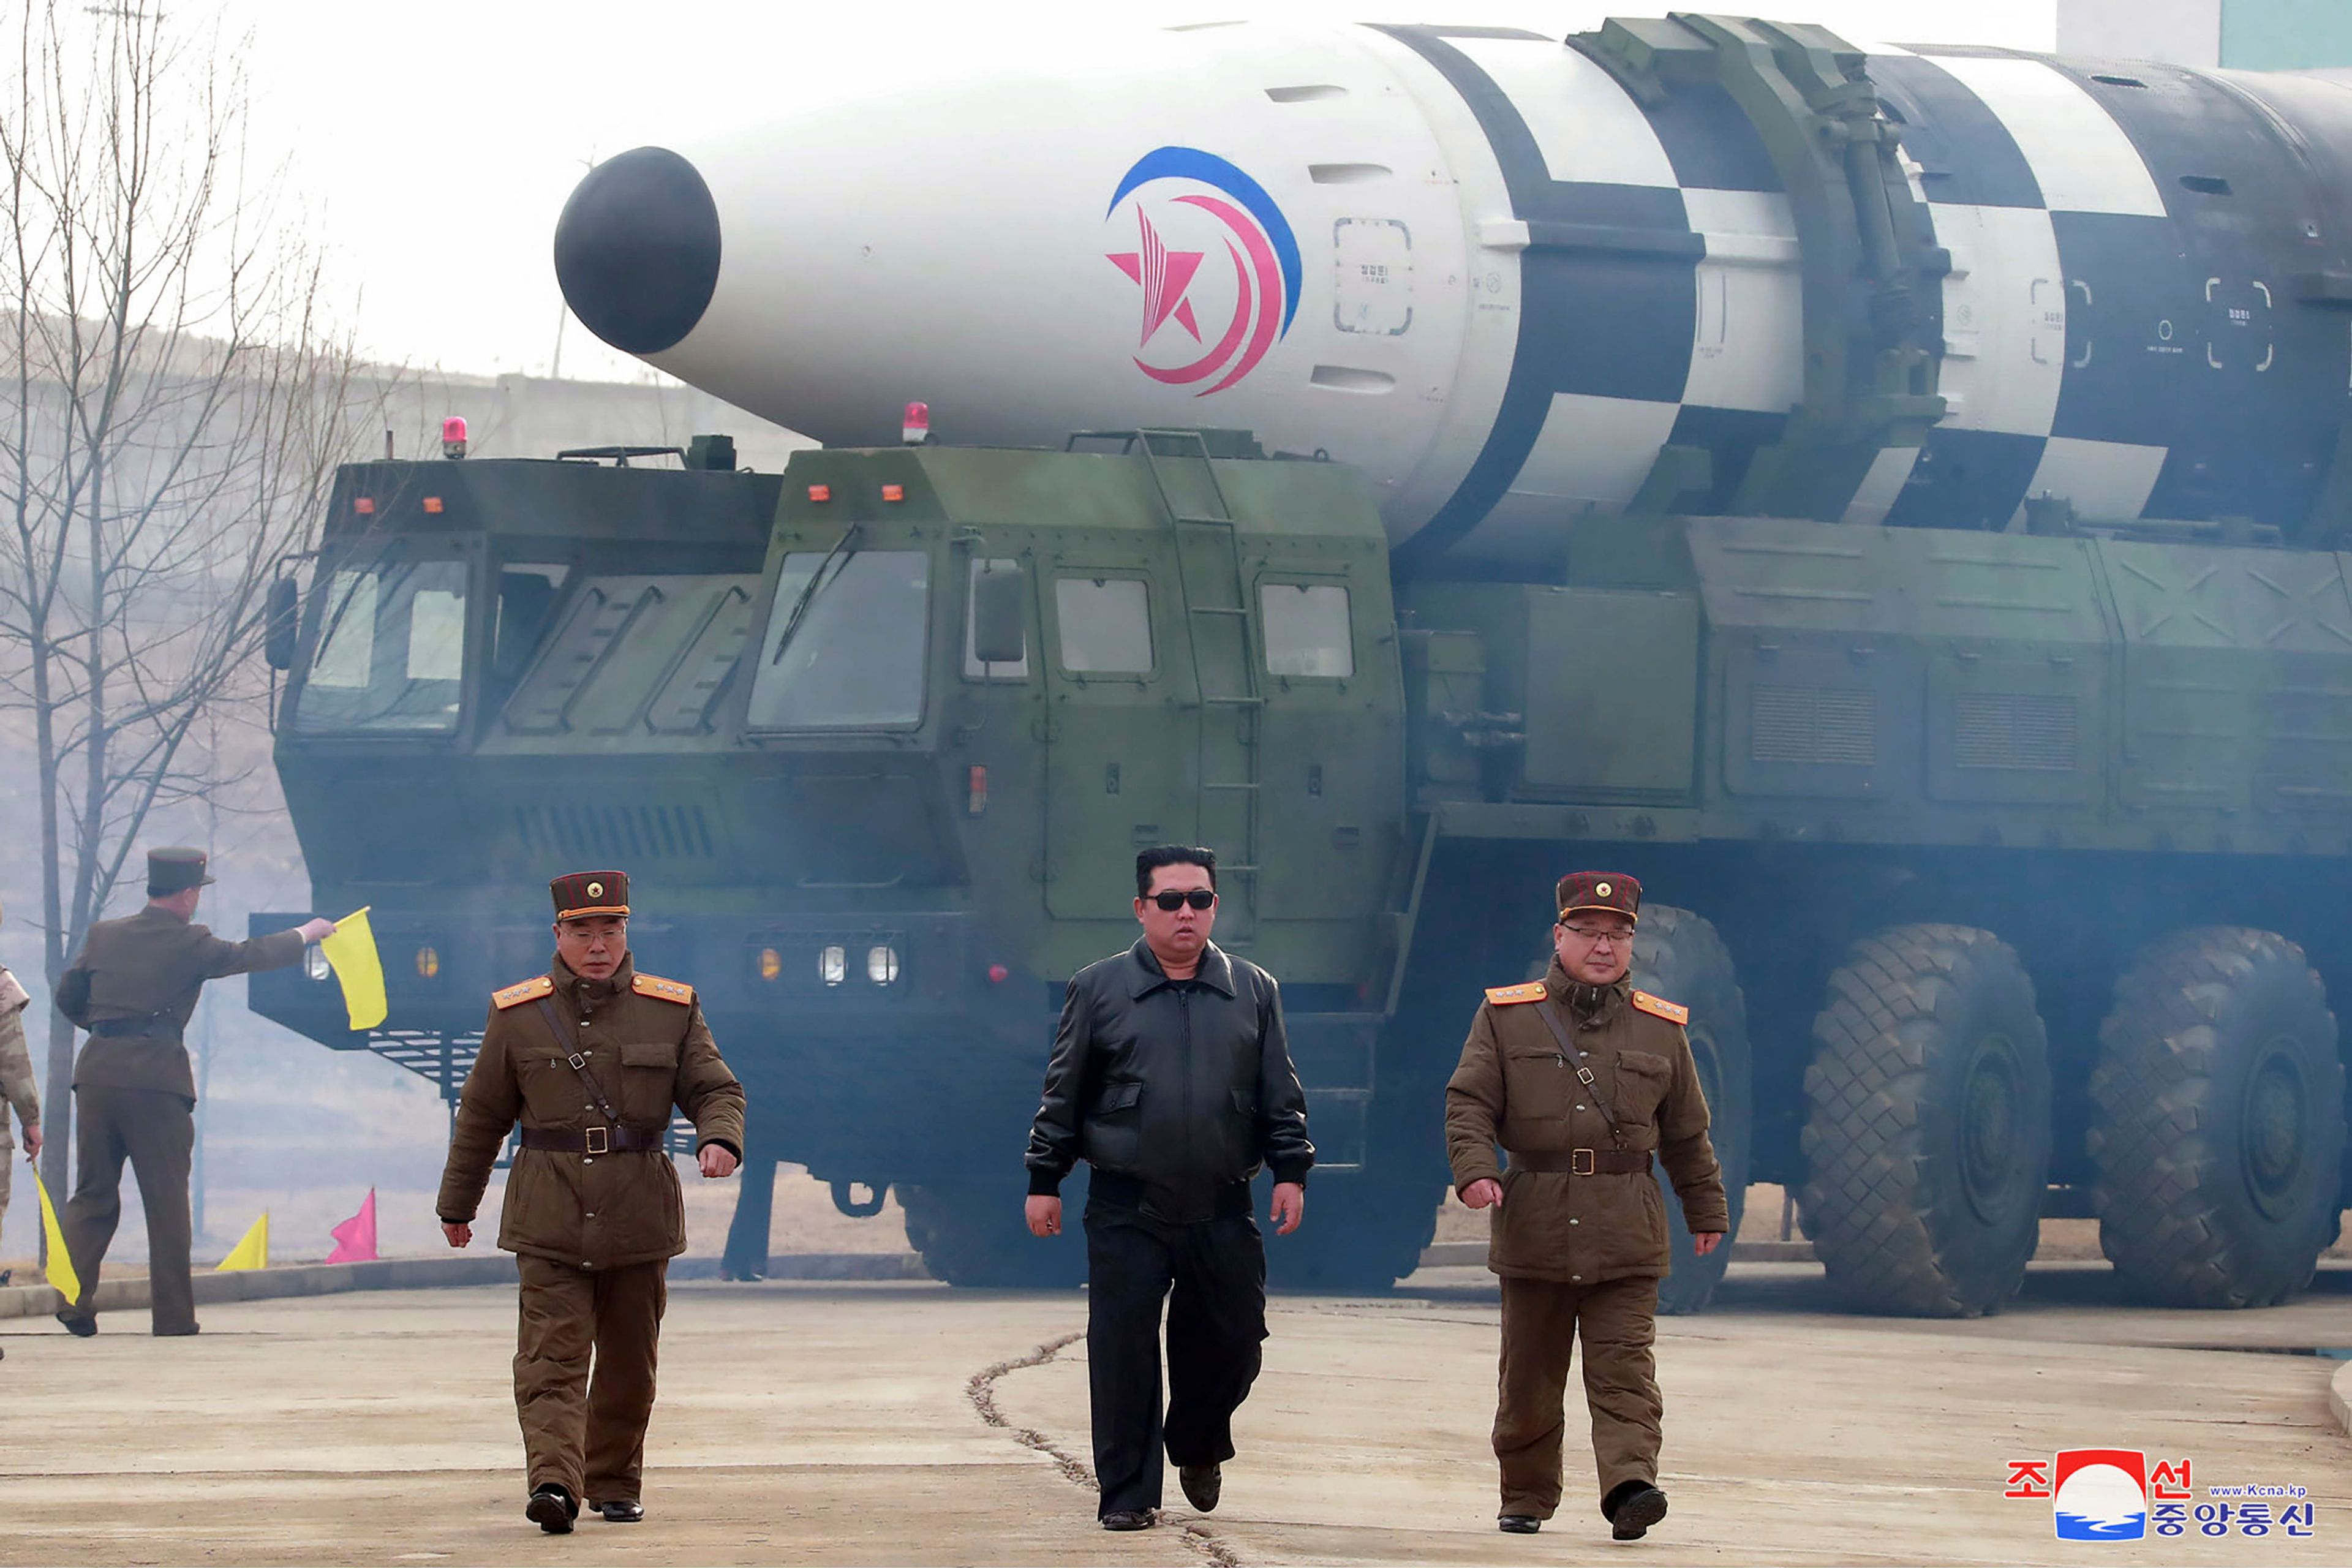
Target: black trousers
1216,1325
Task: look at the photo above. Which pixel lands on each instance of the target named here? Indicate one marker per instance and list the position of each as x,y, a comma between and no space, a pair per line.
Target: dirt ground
904,1423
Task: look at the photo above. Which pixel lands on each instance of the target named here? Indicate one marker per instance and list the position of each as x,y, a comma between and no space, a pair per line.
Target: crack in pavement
981,1389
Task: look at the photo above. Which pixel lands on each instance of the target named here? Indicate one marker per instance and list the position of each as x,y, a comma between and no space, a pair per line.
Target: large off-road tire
2217,1122
1927,1137
1679,956
972,1234
1361,1234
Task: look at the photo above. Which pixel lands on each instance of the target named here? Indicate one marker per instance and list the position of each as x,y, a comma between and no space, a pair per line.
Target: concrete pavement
900,1422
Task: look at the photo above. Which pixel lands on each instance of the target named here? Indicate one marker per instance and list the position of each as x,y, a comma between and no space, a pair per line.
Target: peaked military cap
1609,890
590,893
174,871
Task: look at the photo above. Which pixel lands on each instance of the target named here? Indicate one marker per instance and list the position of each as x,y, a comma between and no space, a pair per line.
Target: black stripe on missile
1972,479
2190,332
1967,156
1731,438
1710,141
1613,318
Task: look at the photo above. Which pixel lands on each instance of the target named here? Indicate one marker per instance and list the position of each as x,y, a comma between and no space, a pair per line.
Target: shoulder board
1657,1007
530,990
661,990
1504,996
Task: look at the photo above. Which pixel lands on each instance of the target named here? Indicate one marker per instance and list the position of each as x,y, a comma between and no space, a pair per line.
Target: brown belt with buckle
1585,1162
594,1140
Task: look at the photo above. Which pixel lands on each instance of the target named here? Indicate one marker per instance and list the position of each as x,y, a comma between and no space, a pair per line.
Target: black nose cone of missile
636,250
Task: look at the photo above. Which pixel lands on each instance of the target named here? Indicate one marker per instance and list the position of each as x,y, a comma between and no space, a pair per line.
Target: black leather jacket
1188,1088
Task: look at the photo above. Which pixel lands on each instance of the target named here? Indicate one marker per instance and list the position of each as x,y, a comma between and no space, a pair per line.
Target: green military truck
2004,875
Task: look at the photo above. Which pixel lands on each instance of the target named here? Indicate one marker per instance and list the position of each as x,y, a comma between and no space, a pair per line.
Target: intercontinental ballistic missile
1699,264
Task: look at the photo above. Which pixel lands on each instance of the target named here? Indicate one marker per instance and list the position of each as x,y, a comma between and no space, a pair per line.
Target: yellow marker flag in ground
253,1252
60,1269
350,952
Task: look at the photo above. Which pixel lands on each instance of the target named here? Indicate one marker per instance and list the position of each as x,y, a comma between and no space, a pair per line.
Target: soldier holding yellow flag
590,1058
133,988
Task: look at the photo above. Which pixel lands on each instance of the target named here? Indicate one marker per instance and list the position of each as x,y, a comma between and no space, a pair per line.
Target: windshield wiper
817,579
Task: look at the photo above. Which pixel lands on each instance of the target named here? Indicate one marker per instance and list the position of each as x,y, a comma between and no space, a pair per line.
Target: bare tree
174,408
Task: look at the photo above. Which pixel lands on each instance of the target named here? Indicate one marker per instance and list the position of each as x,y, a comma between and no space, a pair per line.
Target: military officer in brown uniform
133,988
1581,1079
590,1058
16,1086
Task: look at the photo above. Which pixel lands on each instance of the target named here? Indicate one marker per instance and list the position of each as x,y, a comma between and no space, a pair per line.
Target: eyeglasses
1199,898
1599,938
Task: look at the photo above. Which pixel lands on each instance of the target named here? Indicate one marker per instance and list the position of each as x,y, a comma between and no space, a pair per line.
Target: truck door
1121,758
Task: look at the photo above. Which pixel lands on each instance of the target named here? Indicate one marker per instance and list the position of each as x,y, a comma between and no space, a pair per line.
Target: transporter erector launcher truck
1888,500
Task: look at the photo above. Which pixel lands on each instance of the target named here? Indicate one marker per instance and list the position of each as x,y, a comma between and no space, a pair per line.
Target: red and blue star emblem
1254,309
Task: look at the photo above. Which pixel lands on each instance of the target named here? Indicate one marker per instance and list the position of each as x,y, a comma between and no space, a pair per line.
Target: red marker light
820,492
916,427
894,493
433,505
976,801
998,975
365,505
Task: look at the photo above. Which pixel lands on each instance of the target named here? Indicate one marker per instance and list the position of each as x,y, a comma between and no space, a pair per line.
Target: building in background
2240,34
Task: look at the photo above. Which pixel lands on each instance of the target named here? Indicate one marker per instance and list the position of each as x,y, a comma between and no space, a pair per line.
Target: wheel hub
2271,1145
1989,1130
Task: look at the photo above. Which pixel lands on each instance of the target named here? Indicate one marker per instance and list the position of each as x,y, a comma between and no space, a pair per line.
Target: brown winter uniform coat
1514,1087
147,971
649,1050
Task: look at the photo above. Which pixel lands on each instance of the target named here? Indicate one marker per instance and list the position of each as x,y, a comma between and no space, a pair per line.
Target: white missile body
1335,238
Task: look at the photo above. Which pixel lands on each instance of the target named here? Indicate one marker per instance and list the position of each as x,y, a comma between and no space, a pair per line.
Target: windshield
390,650
856,659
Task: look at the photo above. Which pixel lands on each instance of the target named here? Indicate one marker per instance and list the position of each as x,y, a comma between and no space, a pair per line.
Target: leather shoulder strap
1549,1013
574,1059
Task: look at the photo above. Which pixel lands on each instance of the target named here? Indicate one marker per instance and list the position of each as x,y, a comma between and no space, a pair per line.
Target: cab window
390,653
1105,624
1308,629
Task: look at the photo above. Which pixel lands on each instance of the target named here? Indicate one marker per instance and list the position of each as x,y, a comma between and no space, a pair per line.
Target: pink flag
355,1237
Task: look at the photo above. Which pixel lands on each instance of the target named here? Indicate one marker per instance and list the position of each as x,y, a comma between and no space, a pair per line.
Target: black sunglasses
1199,898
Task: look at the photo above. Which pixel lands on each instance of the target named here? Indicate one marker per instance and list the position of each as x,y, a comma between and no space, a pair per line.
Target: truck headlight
314,962
833,966
882,965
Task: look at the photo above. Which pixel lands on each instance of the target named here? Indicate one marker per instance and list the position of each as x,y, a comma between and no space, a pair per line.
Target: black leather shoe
78,1327
1638,1507
553,1509
620,1512
1518,1524
179,1333
1202,1484
1127,1518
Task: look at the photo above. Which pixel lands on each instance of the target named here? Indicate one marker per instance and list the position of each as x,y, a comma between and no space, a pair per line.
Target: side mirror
1000,618
279,621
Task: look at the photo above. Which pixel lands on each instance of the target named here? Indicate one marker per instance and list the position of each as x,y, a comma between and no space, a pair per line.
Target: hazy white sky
435,144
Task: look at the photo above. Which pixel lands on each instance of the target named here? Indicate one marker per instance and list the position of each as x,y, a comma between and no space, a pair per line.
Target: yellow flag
61,1269
350,952
253,1252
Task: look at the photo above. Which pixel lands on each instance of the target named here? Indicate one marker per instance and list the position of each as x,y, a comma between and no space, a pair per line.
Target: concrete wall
2285,35
2183,32
2243,35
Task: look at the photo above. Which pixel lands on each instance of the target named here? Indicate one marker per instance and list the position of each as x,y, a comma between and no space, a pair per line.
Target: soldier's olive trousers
1542,1320
1216,1327
155,1131
588,1433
